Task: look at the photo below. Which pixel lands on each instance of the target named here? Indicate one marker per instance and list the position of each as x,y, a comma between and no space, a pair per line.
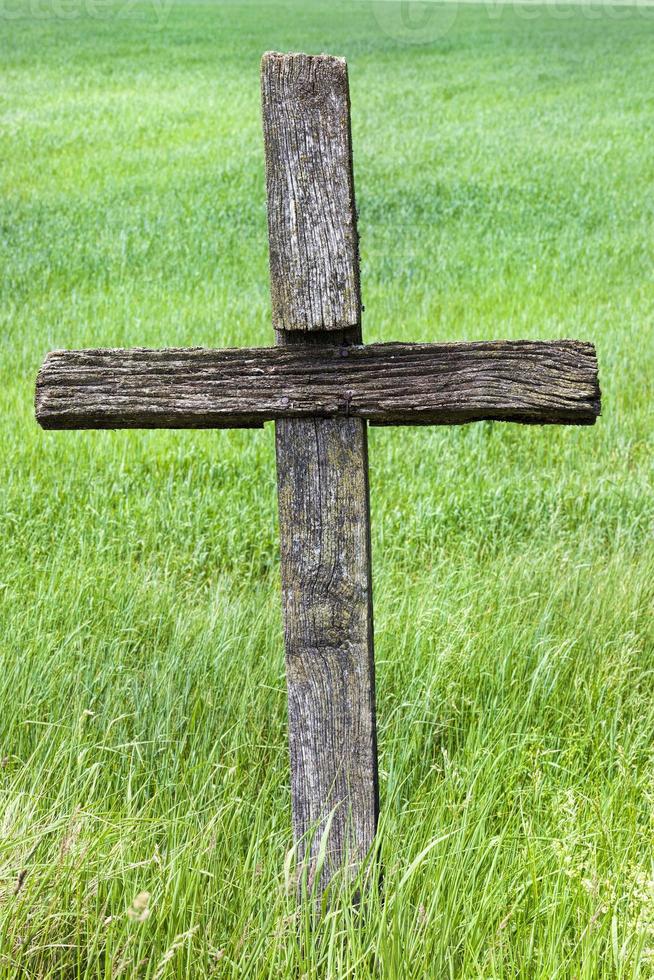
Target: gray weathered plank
314,265
324,521
322,465
520,381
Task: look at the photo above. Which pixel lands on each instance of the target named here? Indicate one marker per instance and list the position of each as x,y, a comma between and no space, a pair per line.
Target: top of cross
314,266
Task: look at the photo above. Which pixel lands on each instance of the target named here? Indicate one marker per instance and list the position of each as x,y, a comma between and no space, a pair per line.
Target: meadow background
505,180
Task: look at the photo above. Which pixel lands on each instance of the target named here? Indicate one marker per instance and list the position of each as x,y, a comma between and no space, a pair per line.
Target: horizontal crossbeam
517,381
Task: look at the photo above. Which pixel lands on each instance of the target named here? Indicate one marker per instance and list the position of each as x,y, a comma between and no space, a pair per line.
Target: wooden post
322,466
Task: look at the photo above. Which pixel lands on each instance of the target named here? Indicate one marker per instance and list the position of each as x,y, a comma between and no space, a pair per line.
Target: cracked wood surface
324,522
314,260
520,381
322,467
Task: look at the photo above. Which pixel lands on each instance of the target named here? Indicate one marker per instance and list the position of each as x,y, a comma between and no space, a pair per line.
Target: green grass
505,183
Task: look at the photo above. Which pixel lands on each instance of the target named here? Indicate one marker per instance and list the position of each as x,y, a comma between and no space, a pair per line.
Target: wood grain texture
520,381
314,263
322,474
322,465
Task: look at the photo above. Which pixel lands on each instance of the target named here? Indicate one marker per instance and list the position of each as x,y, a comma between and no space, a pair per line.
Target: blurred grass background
504,174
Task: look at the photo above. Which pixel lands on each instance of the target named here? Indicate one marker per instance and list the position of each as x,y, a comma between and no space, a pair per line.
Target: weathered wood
314,263
322,465
519,381
322,476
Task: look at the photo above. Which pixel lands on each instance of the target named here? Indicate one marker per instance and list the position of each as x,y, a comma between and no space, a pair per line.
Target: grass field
505,181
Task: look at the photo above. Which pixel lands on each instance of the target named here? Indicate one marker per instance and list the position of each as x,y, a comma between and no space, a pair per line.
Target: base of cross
321,386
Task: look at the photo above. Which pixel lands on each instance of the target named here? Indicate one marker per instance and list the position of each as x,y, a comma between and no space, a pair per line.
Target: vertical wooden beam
322,467
314,254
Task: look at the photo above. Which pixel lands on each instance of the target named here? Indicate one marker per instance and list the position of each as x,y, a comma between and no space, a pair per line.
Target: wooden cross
321,386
